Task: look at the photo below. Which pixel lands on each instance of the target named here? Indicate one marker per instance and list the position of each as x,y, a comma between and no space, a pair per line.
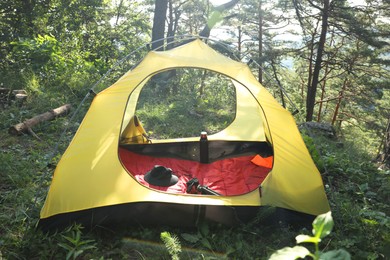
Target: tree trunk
323,86
386,150
202,83
171,23
158,30
26,126
340,99
311,55
279,83
324,81
239,41
384,156
260,42
310,69
312,90
118,13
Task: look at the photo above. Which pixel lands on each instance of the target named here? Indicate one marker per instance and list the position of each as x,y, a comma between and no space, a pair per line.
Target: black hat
161,176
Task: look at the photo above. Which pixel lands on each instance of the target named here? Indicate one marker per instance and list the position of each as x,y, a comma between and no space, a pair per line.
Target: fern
172,244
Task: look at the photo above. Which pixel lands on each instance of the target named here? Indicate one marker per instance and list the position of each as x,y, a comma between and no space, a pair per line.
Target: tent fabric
134,133
90,173
229,177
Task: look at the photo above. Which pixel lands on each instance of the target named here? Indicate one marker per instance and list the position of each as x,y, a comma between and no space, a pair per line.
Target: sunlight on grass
171,102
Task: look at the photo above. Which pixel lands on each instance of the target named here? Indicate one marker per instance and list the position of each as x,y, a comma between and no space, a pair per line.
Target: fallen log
25,127
19,91
17,95
8,93
20,97
4,93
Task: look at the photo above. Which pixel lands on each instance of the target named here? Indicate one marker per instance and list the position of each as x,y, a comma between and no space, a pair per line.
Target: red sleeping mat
232,176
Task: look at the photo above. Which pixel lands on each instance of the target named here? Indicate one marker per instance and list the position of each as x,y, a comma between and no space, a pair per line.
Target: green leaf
65,246
70,239
204,229
69,254
206,243
339,254
288,253
77,253
323,225
190,237
307,239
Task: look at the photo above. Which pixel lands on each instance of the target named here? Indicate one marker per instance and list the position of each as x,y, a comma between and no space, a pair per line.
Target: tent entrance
183,102
165,115
235,167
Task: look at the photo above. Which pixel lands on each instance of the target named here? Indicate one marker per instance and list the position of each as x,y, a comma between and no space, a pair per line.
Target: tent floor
232,174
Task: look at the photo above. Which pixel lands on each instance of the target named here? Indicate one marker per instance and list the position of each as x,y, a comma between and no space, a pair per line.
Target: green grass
168,109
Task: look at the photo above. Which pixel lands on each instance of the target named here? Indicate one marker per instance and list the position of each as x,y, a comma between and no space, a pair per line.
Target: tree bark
323,86
26,126
340,99
311,55
239,41
386,150
324,81
158,30
312,90
279,83
171,24
118,13
384,156
260,42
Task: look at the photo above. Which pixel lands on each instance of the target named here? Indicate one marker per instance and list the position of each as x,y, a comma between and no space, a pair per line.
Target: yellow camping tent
90,180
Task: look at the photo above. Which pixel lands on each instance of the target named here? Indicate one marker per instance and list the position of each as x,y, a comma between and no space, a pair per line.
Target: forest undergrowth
358,192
